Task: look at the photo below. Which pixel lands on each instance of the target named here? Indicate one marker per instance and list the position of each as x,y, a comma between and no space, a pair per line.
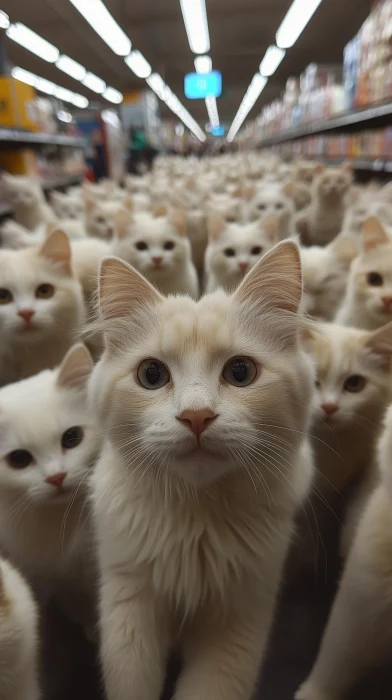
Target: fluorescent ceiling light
48,87
71,67
212,110
94,83
113,95
33,42
63,94
298,16
158,85
252,94
64,116
24,76
138,64
203,64
45,86
100,19
196,25
4,20
79,100
272,59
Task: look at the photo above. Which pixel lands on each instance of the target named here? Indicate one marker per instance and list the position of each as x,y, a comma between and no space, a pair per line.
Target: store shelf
355,120
16,136
47,185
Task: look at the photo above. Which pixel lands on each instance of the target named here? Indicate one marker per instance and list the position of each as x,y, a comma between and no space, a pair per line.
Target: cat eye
230,219
44,291
240,371
355,383
101,220
256,250
5,296
278,205
262,207
375,279
153,374
317,384
141,245
19,459
230,252
72,437
169,245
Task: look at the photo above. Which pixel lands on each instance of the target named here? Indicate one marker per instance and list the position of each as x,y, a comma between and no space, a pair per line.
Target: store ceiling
240,32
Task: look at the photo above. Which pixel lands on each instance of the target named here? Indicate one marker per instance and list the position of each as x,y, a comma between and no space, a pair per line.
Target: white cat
48,445
27,201
276,199
67,206
41,307
100,216
18,637
234,249
358,636
159,248
194,499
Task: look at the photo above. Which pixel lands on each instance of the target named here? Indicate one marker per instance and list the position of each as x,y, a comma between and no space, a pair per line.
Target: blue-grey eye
240,371
153,374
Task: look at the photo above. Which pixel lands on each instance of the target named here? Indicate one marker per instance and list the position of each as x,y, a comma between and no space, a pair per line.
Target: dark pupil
229,252
240,371
141,245
19,459
256,250
44,289
4,293
262,206
279,205
153,373
354,381
169,245
72,437
375,279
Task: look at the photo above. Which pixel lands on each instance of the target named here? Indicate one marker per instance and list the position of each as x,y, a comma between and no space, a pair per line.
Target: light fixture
272,59
4,20
253,92
71,67
33,42
94,83
48,87
64,116
212,110
138,64
298,16
158,85
100,19
113,95
196,24
203,64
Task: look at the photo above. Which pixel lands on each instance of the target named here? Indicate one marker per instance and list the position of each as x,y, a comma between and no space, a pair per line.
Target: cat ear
276,280
289,190
57,249
319,169
379,345
215,227
122,290
50,227
127,203
345,248
270,225
160,211
76,368
248,192
373,234
178,220
89,202
54,197
122,223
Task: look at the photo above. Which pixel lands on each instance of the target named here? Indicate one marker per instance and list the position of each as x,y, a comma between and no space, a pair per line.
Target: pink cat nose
330,408
157,260
387,301
243,266
26,314
197,421
56,479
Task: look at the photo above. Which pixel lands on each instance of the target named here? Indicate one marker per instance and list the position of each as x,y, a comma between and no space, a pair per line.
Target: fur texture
27,200
323,220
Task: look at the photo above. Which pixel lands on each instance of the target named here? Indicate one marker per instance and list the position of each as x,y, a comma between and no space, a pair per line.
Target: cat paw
310,691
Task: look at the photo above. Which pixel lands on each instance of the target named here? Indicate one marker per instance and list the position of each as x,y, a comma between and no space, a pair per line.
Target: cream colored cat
41,307
67,206
234,249
368,300
18,637
48,445
100,216
159,248
276,199
358,636
27,201
194,497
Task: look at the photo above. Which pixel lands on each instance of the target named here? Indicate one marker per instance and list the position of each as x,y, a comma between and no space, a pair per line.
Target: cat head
154,245
353,369
38,292
306,171
204,388
100,217
67,206
234,249
228,207
21,191
48,443
333,184
273,199
325,274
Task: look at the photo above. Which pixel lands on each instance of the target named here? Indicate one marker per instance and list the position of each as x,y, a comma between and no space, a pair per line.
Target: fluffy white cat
27,201
44,464
276,199
100,216
194,498
67,206
41,307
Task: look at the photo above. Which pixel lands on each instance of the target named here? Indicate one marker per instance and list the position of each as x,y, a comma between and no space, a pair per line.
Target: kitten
274,199
18,637
41,307
234,249
325,275
159,248
100,217
368,300
306,170
67,206
193,495
364,206
27,201
302,195
44,464
358,635
14,236
323,220
229,207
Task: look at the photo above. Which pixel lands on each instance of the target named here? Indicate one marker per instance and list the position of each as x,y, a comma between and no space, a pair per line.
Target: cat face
47,460
154,245
21,191
333,183
38,293
353,375
204,387
100,218
272,199
67,206
227,207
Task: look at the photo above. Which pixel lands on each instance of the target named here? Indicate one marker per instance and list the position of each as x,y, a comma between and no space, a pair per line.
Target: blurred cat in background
67,206
27,201
323,220
100,216
276,199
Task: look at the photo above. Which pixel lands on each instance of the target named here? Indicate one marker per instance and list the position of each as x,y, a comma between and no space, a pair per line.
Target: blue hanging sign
198,86
218,131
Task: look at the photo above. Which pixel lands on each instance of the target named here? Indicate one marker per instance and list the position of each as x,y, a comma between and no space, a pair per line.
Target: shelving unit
47,185
17,137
